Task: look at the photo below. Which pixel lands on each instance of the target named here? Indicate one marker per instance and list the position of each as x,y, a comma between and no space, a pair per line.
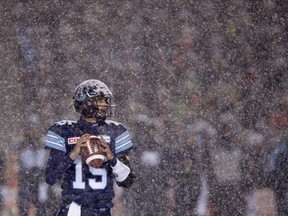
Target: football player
86,190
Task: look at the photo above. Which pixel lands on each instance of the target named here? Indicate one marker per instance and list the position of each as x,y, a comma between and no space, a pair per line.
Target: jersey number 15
80,184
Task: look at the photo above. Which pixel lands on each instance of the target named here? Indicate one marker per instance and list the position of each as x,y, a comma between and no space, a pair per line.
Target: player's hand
82,142
106,149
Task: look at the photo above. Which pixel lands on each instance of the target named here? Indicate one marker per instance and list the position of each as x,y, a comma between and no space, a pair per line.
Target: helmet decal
79,94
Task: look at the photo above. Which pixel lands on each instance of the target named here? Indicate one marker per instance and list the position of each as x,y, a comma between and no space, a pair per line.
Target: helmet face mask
86,97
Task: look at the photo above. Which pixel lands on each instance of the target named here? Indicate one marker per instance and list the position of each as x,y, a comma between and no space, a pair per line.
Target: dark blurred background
183,73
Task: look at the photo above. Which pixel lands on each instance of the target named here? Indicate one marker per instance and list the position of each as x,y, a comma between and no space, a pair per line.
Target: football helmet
85,99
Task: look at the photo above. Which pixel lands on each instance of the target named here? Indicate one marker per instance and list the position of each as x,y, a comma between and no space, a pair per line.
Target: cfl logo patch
73,140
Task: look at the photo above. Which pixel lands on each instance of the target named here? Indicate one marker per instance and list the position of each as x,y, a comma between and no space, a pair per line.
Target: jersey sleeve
58,161
123,145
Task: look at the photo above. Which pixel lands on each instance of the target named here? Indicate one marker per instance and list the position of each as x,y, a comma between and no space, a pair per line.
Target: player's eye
101,101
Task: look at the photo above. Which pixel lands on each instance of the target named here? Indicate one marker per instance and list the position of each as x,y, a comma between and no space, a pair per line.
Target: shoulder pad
63,127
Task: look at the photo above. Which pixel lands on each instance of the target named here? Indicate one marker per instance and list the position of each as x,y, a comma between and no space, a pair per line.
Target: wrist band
120,170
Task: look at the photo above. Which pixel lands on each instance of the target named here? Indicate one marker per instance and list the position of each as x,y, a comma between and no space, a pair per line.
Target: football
92,154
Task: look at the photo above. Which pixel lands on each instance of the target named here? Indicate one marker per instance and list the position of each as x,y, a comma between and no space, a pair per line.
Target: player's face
102,105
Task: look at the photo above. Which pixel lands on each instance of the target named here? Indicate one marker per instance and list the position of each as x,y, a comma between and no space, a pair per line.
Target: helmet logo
93,91
80,93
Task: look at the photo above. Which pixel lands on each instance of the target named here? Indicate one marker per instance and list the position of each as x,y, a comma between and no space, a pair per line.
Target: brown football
92,154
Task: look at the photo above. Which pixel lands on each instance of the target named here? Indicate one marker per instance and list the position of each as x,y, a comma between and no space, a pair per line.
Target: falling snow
201,85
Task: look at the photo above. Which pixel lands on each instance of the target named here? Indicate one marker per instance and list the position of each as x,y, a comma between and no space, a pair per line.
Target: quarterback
88,190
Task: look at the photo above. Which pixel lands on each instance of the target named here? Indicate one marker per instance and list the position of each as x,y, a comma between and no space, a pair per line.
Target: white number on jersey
80,184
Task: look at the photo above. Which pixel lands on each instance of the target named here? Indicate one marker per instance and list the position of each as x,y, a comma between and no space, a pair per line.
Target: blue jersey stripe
124,134
55,141
123,142
124,147
122,138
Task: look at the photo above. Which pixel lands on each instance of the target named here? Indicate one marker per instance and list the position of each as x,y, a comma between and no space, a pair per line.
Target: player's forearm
73,155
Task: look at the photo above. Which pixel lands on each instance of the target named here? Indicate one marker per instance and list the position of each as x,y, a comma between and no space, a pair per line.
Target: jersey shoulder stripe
123,142
55,141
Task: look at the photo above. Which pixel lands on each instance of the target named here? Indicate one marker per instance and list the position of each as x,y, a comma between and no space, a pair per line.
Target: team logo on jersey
73,140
